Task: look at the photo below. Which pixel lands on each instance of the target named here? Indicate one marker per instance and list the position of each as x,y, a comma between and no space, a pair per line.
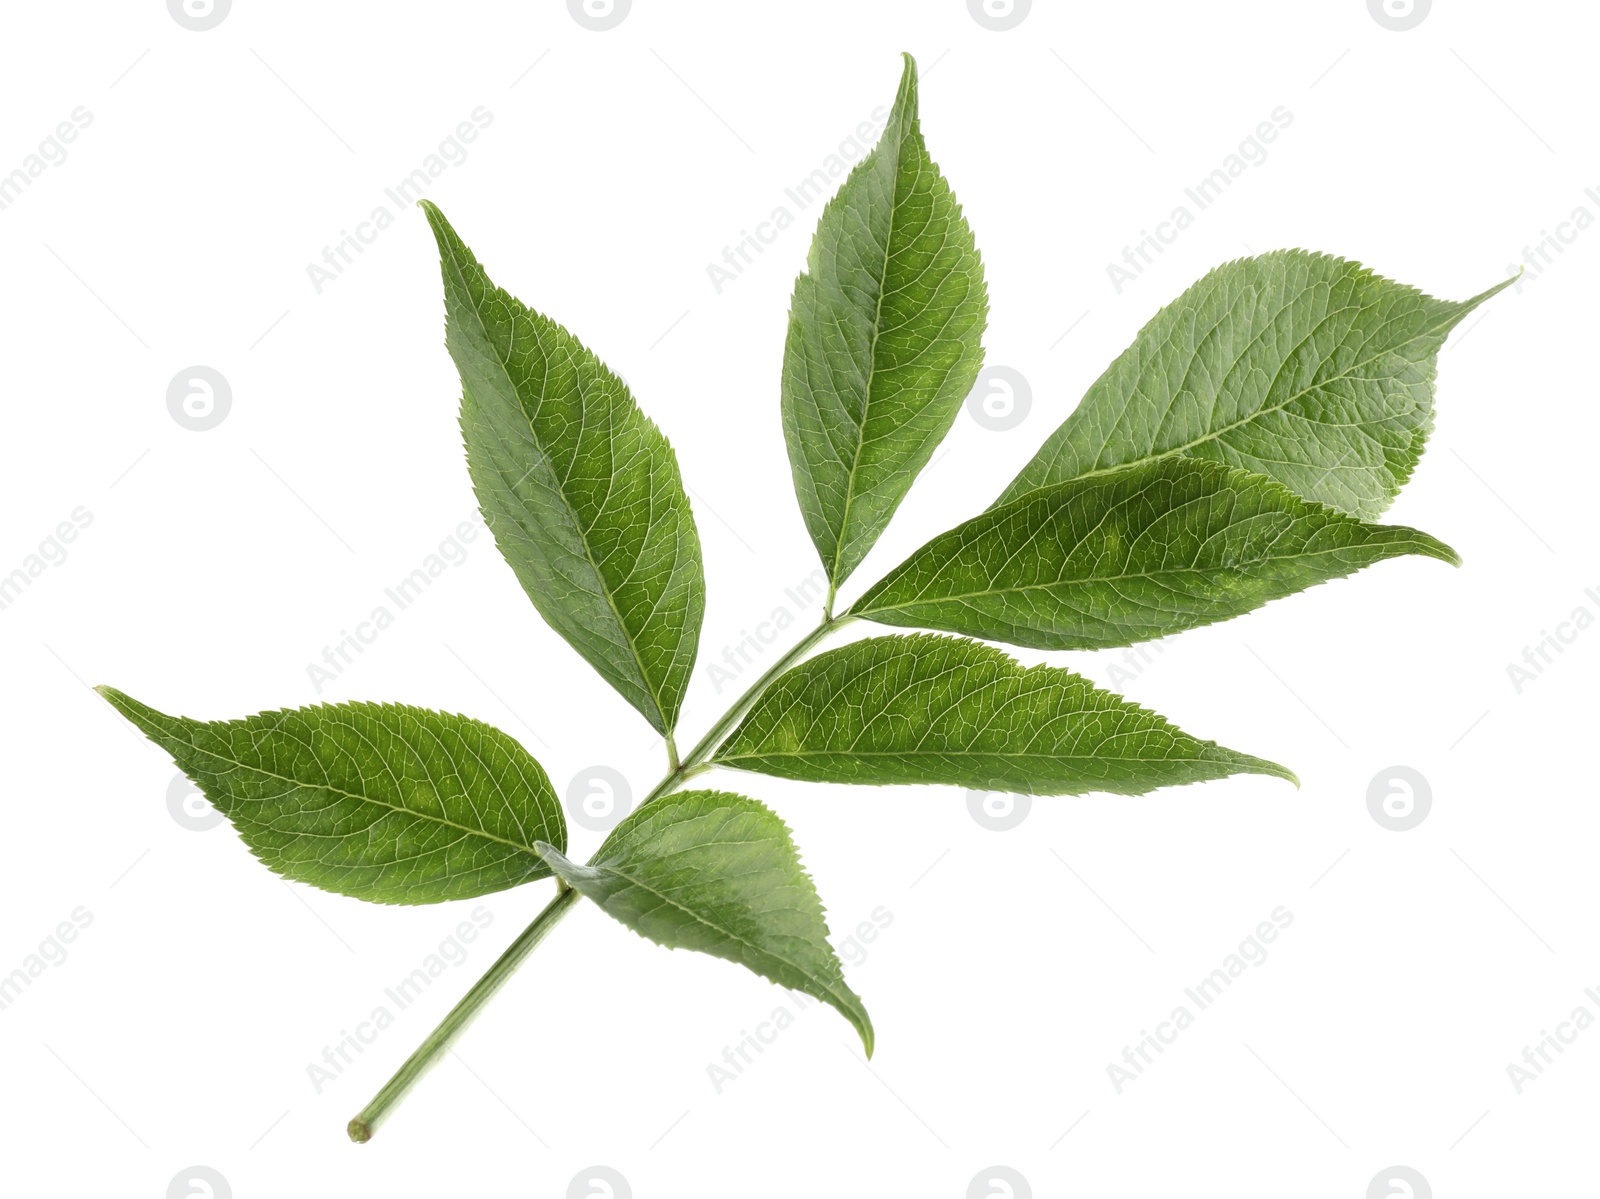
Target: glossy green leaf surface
580,488
926,709
1304,367
883,342
382,802
719,873
1130,556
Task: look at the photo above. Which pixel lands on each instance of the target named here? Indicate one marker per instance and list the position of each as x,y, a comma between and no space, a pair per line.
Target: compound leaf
719,873
581,489
926,709
382,802
1304,367
883,343
1129,556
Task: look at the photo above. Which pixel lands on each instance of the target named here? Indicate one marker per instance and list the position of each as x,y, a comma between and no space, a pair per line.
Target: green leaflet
883,342
580,487
718,873
1129,556
382,802
1304,367
926,709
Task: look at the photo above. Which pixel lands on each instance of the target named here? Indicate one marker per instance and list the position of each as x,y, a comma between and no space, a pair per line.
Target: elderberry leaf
1304,367
382,802
719,873
927,709
580,488
883,342
1137,554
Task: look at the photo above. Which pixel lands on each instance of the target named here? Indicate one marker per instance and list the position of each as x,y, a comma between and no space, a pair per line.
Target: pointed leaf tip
435,217
1490,293
1273,770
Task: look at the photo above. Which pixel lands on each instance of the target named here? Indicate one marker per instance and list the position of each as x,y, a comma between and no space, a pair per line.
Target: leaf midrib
872,368
963,753
340,791
1085,582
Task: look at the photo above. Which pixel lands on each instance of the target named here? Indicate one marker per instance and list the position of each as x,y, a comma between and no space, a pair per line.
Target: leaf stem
452,1026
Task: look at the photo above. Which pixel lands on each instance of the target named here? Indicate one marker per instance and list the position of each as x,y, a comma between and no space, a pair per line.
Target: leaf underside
1119,558
581,489
1304,367
883,341
382,802
927,709
719,873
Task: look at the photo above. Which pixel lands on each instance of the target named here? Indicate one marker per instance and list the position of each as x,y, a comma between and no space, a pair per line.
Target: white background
1018,964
